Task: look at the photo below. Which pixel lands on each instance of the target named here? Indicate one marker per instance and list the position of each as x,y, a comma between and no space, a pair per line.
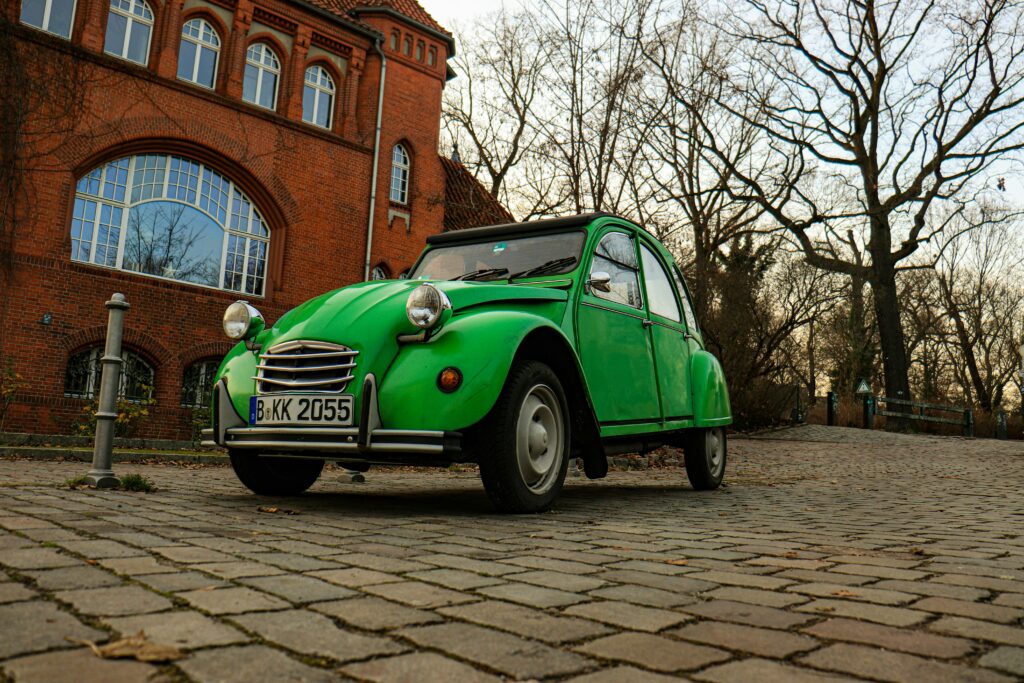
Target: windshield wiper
545,267
482,273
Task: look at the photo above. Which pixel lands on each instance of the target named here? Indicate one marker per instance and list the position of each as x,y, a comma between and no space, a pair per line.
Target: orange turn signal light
449,380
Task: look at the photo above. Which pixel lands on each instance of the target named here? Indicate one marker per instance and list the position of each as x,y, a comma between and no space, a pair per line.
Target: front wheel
705,453
523,444
269,476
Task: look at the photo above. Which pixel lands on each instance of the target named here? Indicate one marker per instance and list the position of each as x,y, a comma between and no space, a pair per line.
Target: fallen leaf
137,647
917,551
91,562
679,563
846,594
792,555
275,510
265,508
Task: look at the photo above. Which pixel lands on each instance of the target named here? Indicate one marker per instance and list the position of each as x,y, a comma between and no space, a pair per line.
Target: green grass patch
77,482
136,482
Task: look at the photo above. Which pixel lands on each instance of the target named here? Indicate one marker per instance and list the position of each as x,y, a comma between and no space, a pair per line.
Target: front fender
710,393
481,345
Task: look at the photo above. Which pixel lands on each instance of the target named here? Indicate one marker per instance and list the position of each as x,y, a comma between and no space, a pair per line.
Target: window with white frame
197,383
129,28
262,68
82,375
170,217
399,175
52,16
379,273
198,53
318,97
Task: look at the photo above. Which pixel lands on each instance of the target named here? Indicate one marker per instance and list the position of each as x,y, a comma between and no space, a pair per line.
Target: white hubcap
539,439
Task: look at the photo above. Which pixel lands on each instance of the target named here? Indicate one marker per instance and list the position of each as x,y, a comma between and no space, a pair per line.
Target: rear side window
615,255
661,299
684,296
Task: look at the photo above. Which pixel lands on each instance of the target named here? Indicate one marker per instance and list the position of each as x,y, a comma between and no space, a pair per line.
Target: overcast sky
451,12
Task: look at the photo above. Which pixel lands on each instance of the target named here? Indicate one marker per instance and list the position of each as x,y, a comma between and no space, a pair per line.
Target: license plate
297,409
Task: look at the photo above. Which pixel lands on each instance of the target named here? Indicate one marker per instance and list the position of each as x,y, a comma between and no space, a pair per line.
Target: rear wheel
705,458
270,476
523,444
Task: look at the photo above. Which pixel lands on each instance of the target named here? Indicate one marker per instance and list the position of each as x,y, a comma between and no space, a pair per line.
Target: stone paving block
759,641
232,600
182,581
525,621
423,667
190,554
627,615
755,596
979,630
37,558
862,593
738,579
619,674
15,592
248,663
114,600
938,590
456,579
881,614
788,563
903,640
139,539
877,572
298,589
985,582
137,566
237,570
77,666
973,610
532,596
502,652
292,562
549,564
671,583
374,614
1010,600
314,634
561,581
876,561
808,576
650,567
183,629
382,563
354,577
27,627
893,666
653,652
766,671
642,595
484,567
1008,659
96,550
752,615
419,594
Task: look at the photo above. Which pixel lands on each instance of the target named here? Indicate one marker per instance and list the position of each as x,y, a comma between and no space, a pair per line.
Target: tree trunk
890,333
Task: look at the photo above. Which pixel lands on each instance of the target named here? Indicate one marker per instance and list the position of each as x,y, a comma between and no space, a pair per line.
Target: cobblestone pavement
831,555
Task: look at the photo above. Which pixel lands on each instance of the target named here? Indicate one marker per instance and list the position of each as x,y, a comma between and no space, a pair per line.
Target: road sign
863,387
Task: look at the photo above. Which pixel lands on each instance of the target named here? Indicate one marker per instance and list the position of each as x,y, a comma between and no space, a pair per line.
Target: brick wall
311,185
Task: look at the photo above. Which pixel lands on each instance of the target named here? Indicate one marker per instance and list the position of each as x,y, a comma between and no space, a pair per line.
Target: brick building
189,153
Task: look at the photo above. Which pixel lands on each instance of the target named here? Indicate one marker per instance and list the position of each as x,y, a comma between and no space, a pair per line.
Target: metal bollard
102,475
1001,428
832,408
969,423
869,412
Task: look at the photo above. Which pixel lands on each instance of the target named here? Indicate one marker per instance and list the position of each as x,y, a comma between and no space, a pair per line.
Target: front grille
305,366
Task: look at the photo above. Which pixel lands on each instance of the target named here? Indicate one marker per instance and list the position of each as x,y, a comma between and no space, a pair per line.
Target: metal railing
916,411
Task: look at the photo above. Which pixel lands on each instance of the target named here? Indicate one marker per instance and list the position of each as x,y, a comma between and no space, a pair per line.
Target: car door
668,337
615,346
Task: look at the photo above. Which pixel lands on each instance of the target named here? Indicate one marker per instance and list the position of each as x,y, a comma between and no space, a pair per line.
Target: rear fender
710,393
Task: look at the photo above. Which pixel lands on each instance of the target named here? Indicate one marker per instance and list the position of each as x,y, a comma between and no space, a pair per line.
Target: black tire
269,476
525,480
706,451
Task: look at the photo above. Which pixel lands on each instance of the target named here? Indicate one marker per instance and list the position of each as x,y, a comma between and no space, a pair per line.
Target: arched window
197,383
407,46
262,68
82,376
318,97
170,217
52,16
399,175
432,56
197,56
379,272
129,27
419,50
395,37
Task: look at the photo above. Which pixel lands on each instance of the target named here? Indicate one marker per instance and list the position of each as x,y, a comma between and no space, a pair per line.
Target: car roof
524,228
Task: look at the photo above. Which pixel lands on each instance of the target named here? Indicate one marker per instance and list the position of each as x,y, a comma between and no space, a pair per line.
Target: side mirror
600,281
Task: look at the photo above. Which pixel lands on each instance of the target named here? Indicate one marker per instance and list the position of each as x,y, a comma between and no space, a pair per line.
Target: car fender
710,392
482,345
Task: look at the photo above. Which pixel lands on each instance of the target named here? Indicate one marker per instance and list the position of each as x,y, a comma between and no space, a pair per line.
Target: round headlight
425,306
242,321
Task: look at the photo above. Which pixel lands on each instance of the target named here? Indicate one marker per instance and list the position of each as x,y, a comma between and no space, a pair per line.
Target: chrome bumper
367,441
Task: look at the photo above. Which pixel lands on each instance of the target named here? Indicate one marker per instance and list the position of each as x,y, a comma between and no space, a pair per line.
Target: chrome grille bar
308,368
300,365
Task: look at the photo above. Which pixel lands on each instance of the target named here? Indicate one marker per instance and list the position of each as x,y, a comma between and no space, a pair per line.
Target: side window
684,296
615,255
661,299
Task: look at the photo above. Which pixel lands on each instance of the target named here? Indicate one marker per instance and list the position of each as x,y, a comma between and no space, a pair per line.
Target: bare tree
905,104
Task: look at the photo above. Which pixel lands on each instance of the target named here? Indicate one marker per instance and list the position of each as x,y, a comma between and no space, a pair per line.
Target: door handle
647,323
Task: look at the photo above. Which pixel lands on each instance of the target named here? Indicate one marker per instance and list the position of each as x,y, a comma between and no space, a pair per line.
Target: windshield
503,259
